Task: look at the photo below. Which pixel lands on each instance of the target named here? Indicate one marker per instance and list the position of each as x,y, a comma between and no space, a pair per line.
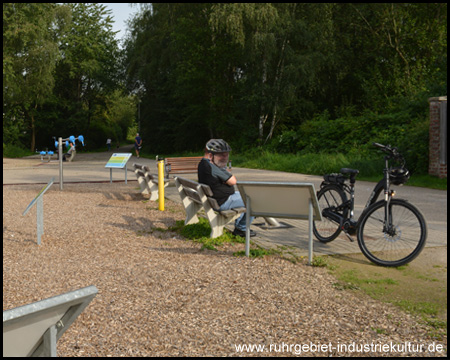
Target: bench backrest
144,168
181,165
191,190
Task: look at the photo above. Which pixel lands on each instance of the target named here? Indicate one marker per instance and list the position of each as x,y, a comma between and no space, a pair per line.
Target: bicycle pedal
349,237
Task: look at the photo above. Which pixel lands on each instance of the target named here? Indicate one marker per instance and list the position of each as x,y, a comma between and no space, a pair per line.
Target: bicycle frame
383,184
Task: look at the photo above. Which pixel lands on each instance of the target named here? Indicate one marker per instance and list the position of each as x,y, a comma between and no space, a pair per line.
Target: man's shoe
241,233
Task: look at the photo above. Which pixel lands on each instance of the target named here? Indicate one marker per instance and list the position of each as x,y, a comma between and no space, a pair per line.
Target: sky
121,12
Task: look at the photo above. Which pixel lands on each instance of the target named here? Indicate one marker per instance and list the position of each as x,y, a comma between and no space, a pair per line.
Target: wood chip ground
161,295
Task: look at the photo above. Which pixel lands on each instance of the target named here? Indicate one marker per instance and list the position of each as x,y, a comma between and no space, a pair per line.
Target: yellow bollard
161,184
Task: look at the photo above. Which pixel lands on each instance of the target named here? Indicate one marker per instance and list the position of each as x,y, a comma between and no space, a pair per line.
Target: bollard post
161,184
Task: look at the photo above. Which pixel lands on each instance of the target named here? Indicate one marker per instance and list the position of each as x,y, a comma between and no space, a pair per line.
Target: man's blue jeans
235,201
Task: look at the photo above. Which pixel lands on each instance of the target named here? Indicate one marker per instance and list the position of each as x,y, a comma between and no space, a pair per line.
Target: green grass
200,233
254,253
419,291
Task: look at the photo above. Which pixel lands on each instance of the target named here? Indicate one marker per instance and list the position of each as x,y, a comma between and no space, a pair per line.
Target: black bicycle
390,232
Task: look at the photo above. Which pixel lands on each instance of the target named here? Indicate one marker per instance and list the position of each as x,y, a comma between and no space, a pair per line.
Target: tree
407,43
30,52
286,46
249,71
183,71
88,68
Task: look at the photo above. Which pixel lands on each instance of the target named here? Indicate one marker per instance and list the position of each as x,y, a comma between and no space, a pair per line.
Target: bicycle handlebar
378,145
390,150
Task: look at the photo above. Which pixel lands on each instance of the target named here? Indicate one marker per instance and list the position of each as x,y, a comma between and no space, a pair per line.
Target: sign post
118,161
39,210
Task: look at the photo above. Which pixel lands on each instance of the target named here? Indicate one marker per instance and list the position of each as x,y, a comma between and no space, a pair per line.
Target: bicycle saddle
349,171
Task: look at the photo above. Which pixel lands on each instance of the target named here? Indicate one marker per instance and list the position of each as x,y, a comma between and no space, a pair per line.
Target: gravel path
160,295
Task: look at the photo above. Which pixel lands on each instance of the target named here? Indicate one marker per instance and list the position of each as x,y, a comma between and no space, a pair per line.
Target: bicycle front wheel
395,242
331,199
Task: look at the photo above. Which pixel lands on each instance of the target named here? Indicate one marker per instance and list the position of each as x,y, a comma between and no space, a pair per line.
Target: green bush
355,135
99,132
15,151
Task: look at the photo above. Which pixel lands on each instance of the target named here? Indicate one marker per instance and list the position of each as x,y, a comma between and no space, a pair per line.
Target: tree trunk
263,115
277,82
274,122
33,131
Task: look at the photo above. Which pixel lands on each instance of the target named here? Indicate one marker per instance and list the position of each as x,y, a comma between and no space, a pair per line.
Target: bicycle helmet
399,175
215,146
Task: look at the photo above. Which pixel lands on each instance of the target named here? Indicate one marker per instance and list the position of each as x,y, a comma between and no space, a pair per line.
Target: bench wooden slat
240,210
207,190
193,195
213,203
183,161
191,158
228,213
140,173
153,177
232,212
141,167
183,171
188,183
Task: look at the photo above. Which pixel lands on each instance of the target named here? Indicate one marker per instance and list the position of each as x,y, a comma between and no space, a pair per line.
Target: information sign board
42,192
118,161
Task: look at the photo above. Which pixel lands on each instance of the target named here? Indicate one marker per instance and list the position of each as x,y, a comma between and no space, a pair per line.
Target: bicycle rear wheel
330,198
395,246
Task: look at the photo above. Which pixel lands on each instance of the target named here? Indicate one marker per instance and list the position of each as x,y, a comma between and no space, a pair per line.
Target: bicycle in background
390,232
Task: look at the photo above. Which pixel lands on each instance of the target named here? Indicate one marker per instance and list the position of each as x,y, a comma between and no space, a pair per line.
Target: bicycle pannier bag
334,178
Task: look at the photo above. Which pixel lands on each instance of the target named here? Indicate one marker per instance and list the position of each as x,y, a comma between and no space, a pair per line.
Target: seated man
212,171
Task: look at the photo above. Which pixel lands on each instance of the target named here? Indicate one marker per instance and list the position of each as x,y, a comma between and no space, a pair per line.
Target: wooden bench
181,165
196,197
148,182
